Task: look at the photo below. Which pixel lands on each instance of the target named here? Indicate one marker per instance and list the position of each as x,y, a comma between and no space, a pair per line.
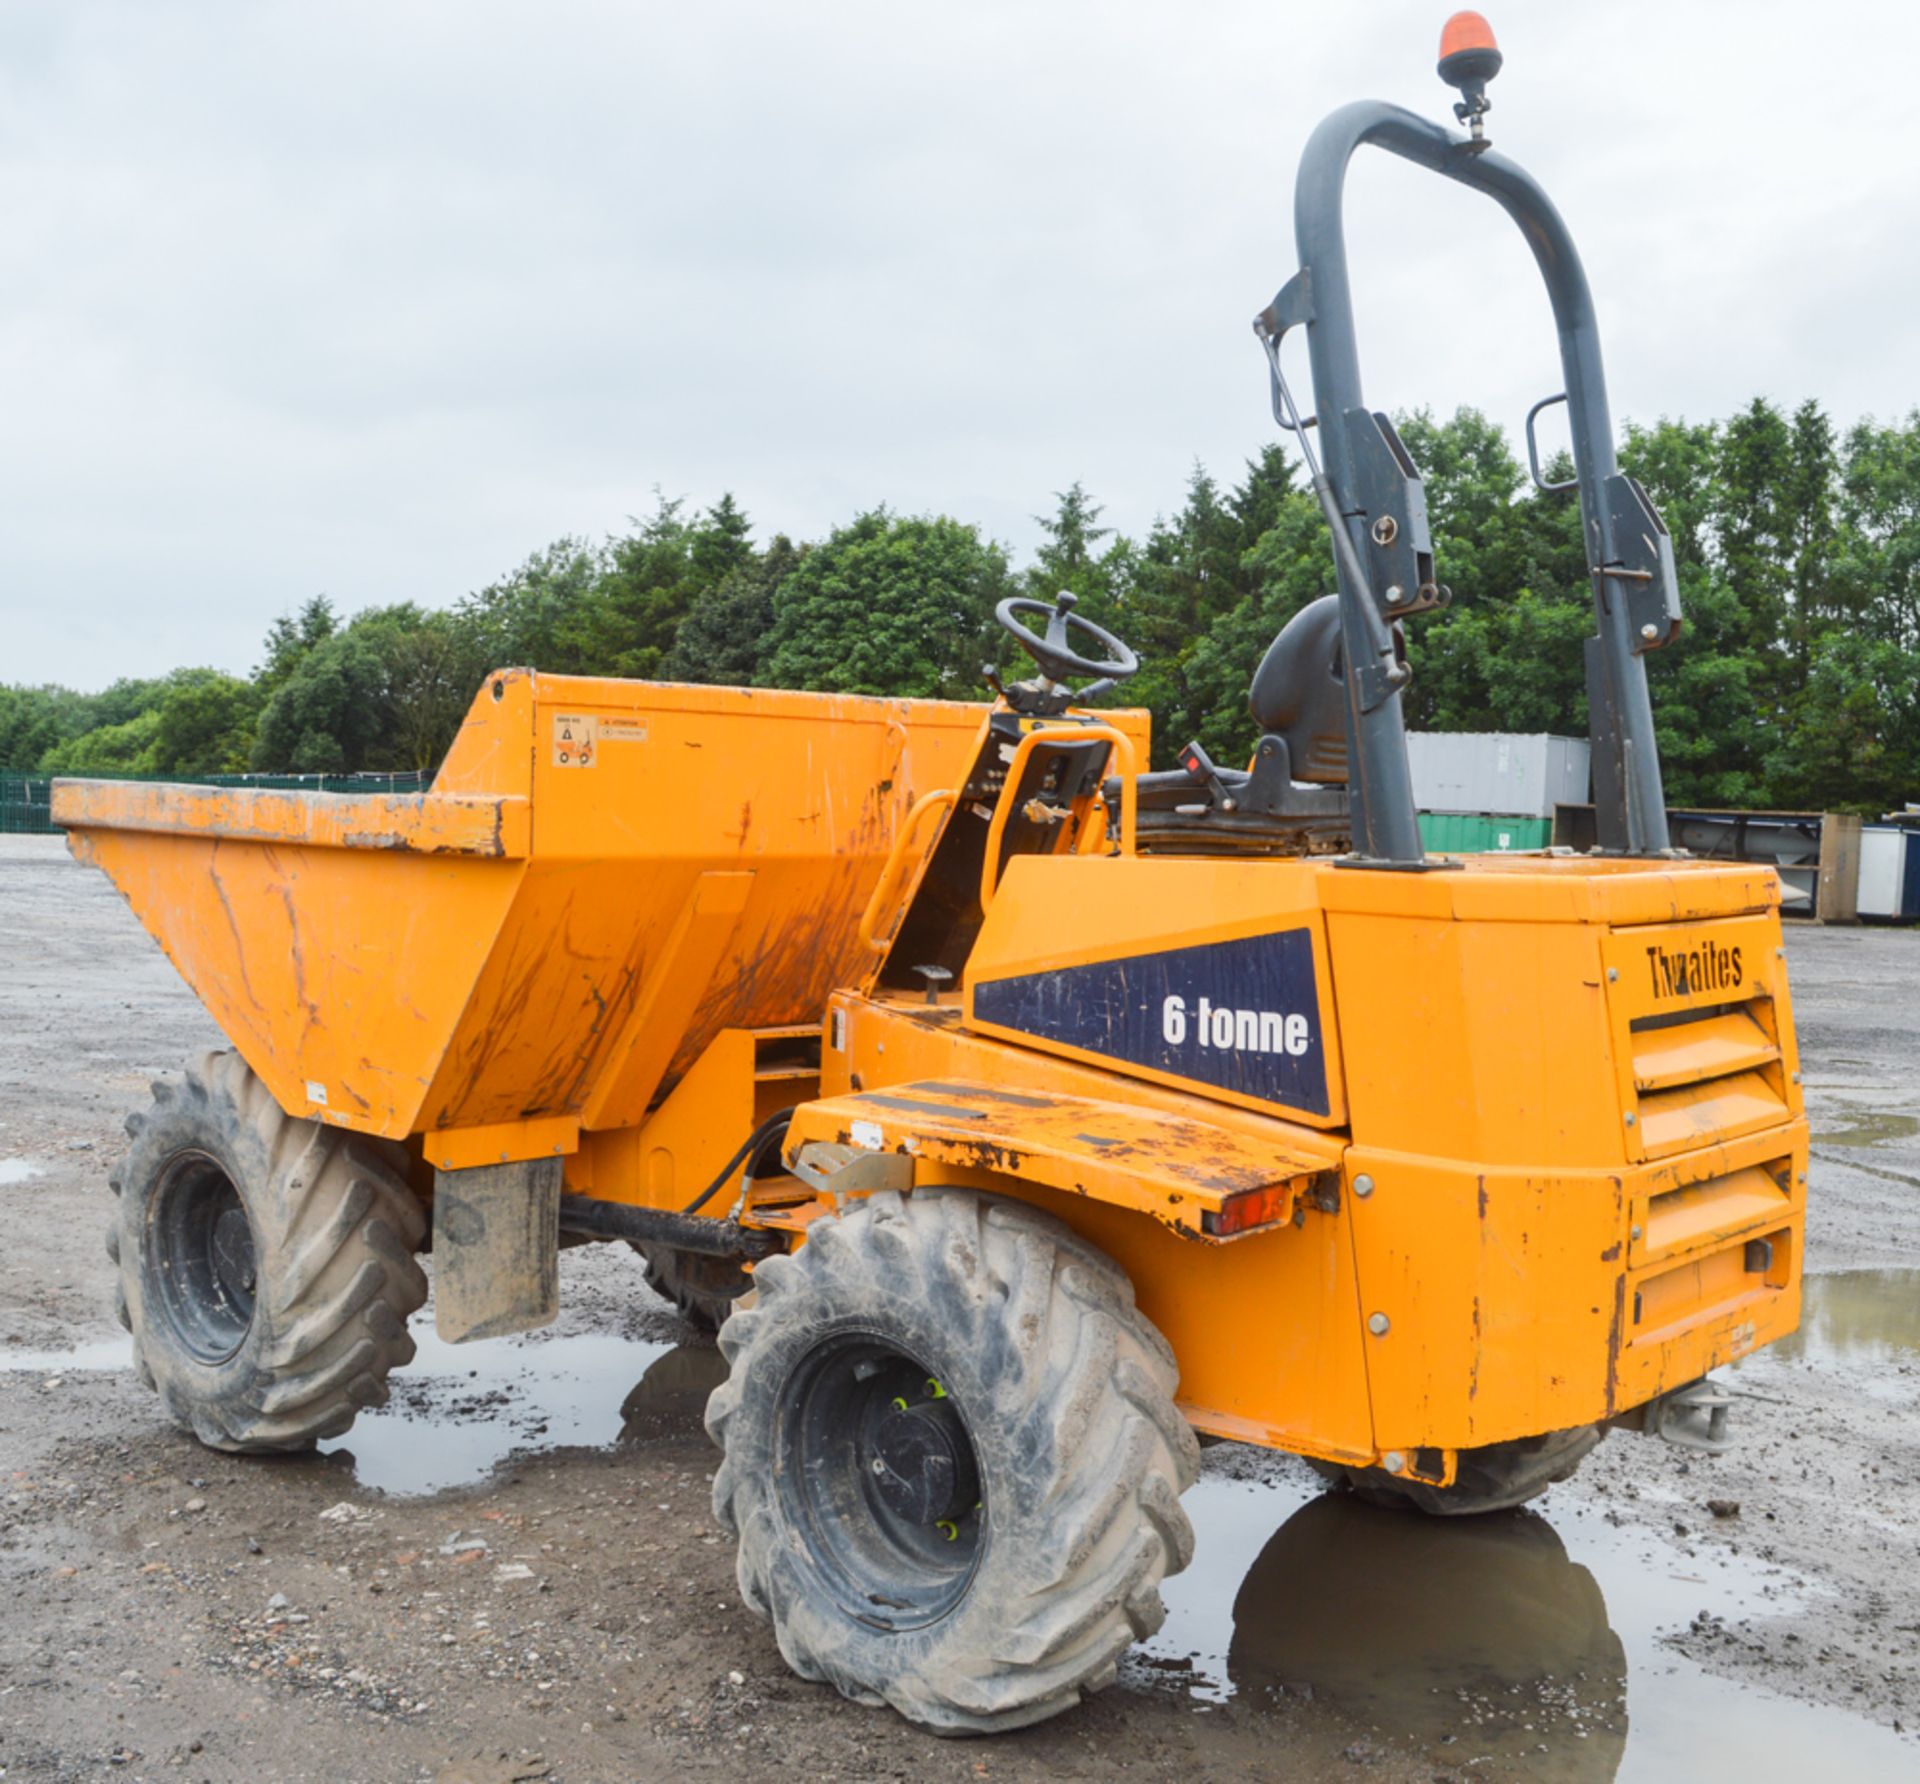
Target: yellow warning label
623,730
576,739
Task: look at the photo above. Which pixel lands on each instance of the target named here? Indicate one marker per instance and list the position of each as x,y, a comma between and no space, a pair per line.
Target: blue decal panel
1242,1015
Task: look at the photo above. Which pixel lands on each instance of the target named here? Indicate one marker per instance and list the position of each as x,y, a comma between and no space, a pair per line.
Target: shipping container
1497,773
1889,871
1455,833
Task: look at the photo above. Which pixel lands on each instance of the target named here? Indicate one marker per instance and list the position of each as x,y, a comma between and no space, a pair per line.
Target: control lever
1200,769
936,977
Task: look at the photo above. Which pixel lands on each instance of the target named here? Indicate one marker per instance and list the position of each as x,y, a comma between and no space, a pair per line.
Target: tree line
1795,683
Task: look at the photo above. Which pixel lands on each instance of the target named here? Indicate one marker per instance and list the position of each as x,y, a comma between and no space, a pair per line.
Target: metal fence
25,799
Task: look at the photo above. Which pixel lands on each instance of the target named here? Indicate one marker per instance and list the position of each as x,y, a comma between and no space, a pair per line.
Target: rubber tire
1082,1453
702,1288
334,1227
1494,1478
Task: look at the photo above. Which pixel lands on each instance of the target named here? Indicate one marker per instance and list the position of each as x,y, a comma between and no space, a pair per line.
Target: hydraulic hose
769,1132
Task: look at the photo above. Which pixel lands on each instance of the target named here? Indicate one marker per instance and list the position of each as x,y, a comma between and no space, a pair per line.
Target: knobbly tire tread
1497,1477
335,1228
691,1281
1083,1454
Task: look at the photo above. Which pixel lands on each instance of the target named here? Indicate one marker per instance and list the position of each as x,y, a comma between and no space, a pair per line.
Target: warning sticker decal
576,738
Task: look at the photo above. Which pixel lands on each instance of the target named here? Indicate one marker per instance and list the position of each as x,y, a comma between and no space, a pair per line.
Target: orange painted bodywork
382,969
1560,1166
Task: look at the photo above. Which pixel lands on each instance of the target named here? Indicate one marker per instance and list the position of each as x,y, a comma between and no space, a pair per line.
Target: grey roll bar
1378,491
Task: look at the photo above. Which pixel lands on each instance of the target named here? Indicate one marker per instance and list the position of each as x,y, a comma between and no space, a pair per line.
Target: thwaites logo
1243,1015
1692,972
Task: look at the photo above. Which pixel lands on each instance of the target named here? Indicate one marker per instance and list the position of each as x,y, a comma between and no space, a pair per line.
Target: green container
1451,833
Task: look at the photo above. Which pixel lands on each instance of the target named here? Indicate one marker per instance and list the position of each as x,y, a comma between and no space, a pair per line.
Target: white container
1497,773
1883,870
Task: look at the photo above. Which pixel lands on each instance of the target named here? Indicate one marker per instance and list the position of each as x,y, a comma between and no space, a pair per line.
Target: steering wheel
1057,661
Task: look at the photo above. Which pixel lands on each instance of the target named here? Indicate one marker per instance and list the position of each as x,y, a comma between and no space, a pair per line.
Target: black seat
1293,800
1299,693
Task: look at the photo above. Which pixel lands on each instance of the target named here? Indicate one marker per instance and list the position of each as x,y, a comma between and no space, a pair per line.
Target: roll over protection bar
1378,491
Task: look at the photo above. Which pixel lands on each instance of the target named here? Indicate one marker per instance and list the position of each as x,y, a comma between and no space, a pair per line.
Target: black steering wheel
1057,661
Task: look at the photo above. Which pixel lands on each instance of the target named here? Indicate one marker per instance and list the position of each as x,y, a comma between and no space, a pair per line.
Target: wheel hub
205,1267
923,1464
233,1265
879,1473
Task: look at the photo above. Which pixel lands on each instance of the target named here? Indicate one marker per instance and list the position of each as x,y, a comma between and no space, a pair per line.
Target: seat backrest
1299,692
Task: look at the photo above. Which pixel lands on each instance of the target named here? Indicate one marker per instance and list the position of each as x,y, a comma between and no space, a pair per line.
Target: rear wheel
266,1264
952,1459
1496,1477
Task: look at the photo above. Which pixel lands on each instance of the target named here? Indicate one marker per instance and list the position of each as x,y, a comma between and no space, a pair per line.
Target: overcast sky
373,300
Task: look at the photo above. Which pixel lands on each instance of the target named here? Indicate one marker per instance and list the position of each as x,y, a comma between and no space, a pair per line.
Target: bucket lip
487,826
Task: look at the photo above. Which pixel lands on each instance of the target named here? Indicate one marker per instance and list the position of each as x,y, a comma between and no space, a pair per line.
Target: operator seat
1299,694
1293,799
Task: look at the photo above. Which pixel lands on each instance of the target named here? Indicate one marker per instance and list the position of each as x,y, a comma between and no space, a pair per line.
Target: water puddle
103,1353
19,1170
1854,1317
1510,1645
1864,1129
459,1410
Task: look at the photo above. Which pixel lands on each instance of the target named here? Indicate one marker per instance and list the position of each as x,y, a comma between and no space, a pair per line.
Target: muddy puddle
55,1365
1860,1128
1525,1644
1517,1645
1855,1318
459,1411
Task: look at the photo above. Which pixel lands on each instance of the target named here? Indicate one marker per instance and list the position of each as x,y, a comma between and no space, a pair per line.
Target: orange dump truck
1017,1114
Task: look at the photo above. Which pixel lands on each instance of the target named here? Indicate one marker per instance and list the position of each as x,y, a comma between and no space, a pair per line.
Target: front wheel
266,1263
952,1459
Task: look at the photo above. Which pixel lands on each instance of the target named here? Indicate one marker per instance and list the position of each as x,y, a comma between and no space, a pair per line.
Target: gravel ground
512,1573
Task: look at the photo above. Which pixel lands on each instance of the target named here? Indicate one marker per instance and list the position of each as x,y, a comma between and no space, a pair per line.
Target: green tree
1754,524
387,693
531,618
726,634
325,717
1710,707
1507,653
1676,463
1191,572
1288,567
193,722
35,720
651,578
205,725
889,605
1811,528
721,543
123,748
1072,559
1069,558
1878,573
1853,741
291,637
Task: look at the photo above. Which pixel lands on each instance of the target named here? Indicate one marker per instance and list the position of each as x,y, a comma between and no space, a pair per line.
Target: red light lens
1251,1208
